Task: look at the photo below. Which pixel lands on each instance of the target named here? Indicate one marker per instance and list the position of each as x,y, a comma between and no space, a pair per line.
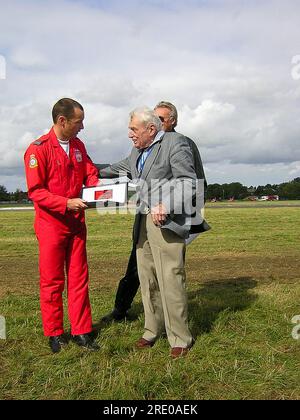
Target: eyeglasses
162,119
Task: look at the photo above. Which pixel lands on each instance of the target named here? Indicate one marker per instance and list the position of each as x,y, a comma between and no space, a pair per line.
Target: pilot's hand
76,204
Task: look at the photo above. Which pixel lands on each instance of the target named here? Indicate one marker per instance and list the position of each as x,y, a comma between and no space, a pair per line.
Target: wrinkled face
70,128
164,115
141,134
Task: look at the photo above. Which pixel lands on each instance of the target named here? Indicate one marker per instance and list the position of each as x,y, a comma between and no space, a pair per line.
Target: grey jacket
173,164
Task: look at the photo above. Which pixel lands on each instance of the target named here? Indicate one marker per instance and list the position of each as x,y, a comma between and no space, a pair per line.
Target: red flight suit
52,179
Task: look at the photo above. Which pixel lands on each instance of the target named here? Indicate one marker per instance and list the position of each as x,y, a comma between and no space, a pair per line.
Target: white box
110,192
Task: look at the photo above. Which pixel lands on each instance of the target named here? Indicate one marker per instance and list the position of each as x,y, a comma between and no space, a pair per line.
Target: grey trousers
161,269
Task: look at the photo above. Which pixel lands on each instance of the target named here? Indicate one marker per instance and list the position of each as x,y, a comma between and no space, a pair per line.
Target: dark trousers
128,285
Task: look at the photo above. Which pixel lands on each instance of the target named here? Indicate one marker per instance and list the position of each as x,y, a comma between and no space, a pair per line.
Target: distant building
269,198
252,198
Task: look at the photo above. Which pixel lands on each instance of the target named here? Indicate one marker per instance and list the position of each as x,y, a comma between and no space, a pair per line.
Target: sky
232,68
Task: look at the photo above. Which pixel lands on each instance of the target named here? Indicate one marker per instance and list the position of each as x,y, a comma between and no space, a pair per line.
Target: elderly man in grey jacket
164,166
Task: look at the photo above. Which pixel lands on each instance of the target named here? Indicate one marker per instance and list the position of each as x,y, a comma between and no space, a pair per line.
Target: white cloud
26,57
294,169
225,64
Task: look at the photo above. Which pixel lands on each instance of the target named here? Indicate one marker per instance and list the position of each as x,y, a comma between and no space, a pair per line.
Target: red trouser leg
78,278
52,247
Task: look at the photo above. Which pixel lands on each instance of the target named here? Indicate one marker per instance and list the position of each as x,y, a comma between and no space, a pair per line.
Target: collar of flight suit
54,140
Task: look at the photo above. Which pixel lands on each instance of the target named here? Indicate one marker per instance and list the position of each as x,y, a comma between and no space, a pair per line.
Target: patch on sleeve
78,155
33,163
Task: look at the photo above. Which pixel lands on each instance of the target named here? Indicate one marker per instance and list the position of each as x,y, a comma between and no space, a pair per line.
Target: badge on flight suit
33,163
78,155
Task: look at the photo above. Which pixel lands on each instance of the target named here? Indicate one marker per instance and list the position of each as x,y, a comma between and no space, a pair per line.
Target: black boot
57,342
85,340
114,315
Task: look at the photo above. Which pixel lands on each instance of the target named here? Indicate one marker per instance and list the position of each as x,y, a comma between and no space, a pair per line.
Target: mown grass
252,204
243,288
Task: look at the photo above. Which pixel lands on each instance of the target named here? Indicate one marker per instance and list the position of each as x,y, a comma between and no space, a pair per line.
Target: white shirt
65,144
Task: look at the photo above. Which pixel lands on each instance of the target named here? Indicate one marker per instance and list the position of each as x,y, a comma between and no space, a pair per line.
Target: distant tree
227,191
267,190
19,196
251,190
214,191
290,190
236,190
4,195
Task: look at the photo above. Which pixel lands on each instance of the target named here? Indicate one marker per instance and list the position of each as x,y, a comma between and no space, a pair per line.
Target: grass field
254,204
243,289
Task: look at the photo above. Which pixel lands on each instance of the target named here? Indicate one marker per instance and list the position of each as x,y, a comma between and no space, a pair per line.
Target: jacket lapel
151,159
134,159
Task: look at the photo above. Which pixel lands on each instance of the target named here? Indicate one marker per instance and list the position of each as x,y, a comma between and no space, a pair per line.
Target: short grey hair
172,108
147,116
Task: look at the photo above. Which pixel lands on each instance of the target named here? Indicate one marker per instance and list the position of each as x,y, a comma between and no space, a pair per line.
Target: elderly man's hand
159,214
76,205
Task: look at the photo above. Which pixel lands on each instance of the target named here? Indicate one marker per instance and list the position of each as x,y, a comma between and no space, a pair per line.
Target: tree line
286,191
18,196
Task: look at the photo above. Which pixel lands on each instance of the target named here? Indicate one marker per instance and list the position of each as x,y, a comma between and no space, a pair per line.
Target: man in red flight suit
57,166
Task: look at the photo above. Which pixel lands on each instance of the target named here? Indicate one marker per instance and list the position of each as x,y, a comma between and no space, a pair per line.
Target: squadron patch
33,163
78,155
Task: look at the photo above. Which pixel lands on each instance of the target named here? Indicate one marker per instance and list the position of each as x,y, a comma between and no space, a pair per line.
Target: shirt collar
55,140
157,138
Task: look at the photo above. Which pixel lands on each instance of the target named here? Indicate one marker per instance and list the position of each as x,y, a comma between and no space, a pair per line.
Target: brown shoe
179,352
144,344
